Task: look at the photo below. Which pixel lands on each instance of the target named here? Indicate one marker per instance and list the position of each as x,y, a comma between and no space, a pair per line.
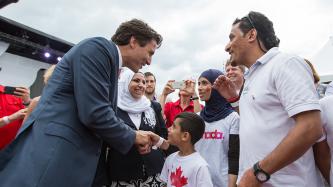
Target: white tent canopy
323,61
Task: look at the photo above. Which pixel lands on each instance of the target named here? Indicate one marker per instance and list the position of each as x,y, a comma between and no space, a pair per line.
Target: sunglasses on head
251,23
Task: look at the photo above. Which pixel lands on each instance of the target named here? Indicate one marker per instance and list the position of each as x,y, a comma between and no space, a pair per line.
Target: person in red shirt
12,111
187,102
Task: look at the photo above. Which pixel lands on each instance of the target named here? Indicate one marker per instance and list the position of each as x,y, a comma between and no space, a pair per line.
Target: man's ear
252,35
133,42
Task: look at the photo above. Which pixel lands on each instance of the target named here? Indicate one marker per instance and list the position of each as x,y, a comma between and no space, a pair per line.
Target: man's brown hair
229,63
140,30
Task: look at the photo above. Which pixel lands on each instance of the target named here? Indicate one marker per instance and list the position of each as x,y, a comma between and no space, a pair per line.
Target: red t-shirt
9,104
172,109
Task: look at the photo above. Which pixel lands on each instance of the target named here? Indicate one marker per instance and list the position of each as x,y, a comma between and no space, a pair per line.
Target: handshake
145,140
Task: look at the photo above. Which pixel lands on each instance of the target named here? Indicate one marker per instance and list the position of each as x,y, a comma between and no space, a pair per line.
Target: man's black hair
263,26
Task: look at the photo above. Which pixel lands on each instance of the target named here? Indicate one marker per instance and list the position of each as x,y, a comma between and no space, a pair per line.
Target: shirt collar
268,55
120,57
262,60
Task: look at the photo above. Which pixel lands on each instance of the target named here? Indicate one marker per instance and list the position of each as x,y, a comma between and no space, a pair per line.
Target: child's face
175,133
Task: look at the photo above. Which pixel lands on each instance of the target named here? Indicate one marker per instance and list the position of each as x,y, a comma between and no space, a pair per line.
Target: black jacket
133,165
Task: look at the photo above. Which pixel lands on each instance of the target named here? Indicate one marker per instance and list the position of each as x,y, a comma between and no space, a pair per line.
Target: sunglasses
250,20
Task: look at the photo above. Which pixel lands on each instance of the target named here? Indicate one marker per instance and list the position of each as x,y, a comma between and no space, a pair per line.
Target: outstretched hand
168,88
225,87
19,114
156,138
146,139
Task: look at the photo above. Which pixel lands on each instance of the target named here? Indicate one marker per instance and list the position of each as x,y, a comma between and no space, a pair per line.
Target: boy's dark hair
264,27
147,74
140,30
193,124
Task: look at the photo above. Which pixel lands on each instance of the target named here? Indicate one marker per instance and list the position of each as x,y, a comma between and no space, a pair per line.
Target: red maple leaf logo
177,179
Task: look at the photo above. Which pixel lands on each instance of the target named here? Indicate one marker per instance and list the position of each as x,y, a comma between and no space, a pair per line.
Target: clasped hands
144,141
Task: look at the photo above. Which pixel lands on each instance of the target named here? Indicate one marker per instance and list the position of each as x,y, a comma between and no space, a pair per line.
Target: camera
178,85
9,90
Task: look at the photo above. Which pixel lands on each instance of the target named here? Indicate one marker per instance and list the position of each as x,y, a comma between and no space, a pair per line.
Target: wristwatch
261,175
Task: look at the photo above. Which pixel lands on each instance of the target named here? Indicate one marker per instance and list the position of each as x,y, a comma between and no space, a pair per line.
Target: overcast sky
195,32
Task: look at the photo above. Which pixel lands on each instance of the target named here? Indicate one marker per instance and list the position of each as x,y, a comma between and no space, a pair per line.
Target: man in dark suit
61,142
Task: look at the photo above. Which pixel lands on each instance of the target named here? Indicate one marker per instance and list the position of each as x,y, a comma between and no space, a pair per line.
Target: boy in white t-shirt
185,167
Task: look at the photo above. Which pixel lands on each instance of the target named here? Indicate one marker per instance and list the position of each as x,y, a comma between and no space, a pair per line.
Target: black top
133,165
233,154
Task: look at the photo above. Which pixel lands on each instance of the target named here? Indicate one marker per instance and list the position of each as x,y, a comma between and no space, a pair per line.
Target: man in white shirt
279,108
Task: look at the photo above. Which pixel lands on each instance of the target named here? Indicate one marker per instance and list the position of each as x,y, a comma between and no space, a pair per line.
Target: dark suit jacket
60,143
133,165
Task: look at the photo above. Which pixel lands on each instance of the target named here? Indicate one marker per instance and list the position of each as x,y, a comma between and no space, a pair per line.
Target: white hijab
125,100
131,105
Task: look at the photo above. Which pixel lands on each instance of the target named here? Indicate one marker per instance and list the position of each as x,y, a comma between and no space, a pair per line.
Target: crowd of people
99,121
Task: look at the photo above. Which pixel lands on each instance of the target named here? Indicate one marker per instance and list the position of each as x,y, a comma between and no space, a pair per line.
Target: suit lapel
113,89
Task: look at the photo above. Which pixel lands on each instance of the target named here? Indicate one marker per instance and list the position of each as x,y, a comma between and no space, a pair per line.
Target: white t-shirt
326,104
277,87
187,171
214,147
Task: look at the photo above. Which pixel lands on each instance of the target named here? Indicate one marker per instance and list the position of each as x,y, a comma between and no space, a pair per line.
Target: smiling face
150,81
234,73
137,86
237,46
140,55
204,89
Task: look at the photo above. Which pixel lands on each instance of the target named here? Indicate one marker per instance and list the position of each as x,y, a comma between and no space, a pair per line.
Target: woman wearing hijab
219,145
134,169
